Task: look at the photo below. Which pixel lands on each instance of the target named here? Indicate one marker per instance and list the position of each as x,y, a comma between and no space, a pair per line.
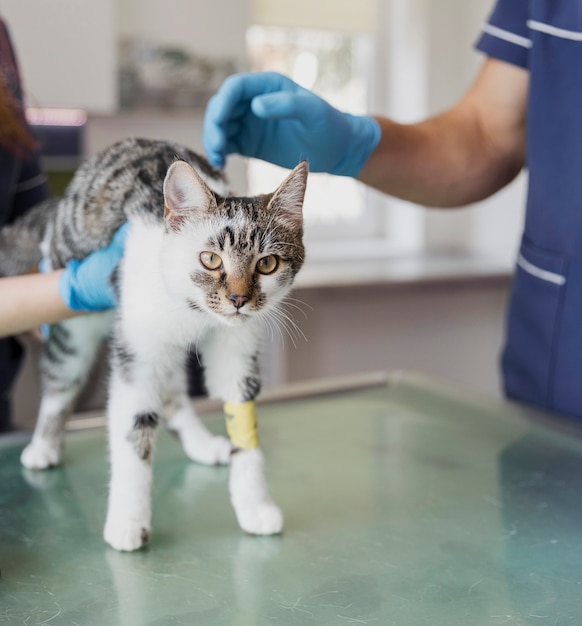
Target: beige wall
451,330
67,51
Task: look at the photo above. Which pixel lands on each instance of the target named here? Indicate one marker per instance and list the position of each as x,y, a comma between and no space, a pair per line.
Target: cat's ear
288,199
185,194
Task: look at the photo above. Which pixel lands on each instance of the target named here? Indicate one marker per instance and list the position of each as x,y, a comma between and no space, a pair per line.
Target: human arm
461,155
28,301
268,116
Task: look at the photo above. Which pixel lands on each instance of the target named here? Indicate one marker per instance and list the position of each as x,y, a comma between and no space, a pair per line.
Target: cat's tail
20,242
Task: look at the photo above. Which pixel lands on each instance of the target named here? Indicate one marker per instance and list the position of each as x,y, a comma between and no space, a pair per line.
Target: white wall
68,48
213,27
67,51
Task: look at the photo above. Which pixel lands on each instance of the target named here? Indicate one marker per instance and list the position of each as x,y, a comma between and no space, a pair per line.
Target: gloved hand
86,285
270,117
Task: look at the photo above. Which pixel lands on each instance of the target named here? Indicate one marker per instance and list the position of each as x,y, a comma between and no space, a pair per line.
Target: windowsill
407,269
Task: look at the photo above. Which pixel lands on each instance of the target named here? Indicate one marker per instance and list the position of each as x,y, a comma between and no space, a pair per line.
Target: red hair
14,132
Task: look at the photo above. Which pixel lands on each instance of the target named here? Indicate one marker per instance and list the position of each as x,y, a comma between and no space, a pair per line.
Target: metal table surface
406,503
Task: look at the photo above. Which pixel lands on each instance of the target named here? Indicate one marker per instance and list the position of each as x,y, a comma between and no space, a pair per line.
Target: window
328,47
394,57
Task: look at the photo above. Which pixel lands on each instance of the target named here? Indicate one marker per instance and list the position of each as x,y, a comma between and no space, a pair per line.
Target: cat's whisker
275,328
277,325
200,334
289,298
193,348
288,301
268,325
290,332
274,323
285,321
275,315
295,327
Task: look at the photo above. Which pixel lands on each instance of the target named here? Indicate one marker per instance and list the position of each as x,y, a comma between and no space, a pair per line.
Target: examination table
407,502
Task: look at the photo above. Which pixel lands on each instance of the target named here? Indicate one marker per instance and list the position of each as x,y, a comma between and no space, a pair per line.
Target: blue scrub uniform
22,185
542,358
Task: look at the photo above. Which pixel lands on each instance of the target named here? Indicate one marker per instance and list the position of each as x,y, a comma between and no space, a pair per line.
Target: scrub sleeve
542,356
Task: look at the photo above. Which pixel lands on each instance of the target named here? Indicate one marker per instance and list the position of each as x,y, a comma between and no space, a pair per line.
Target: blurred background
387,285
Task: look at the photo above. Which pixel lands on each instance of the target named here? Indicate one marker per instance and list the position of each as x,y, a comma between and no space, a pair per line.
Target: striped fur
169,300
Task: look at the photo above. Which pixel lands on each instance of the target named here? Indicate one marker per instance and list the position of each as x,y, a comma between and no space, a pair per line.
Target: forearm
445,161
461,155
28,301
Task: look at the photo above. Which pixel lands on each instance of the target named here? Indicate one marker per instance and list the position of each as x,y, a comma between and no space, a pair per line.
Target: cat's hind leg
198,442
66,360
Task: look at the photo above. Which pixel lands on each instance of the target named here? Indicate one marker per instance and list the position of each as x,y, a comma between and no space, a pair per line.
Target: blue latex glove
270,117
86,285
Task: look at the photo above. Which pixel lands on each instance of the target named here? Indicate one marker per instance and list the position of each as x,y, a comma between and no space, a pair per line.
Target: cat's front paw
126,535
41,454
259,518
208,450
255,510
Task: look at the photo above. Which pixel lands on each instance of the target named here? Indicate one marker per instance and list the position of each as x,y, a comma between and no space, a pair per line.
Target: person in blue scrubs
28,301
522,110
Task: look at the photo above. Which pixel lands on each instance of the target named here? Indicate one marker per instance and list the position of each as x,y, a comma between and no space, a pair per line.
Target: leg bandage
241,424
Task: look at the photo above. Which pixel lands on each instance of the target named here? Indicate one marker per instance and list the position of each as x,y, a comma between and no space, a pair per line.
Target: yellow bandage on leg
241,424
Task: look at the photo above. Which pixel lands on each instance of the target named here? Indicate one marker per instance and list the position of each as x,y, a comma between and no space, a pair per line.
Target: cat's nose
238,300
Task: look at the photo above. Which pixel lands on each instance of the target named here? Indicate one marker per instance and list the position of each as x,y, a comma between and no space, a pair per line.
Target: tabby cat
200,269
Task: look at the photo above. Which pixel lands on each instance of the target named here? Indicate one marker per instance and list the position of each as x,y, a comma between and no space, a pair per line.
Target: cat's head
233,257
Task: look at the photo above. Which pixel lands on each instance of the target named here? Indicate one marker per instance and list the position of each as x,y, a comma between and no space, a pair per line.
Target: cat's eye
210,260
267,265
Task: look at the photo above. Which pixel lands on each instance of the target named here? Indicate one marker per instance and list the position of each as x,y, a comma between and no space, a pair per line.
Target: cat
201,269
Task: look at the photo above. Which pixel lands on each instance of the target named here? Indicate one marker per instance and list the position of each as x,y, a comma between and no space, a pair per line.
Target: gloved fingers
239,89
106,259
222,108
303,106
65,286
218,135
215,158
114,249
118,240
226,103
228,113
214,143
85,285
220,141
